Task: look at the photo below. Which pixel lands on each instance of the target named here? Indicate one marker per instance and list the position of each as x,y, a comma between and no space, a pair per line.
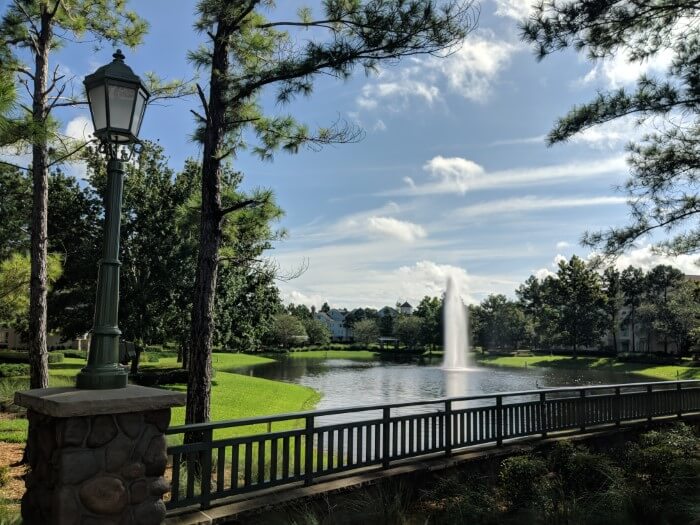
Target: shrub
520,481
14,369
11,356
75,354
55,357
4,475
160,376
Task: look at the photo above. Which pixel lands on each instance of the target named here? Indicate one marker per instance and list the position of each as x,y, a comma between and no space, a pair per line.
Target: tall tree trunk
202,329
38,358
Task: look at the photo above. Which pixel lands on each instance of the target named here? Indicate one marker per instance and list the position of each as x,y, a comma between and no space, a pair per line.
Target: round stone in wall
150,513
104,495
102,432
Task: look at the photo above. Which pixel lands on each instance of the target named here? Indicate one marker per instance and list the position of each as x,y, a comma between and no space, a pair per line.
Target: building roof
406,305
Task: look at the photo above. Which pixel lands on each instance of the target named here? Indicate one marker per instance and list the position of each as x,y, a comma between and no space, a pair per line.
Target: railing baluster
448,428
499,421
248,467
273,459
220,468
285,457
649,402
297,456
331,450
386,431
261,461
175,481
543,413
309,450
319,451
679,399
341,448
582,415
234,466
369,443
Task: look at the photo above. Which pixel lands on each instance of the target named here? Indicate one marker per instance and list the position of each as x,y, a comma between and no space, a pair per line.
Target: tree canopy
663,183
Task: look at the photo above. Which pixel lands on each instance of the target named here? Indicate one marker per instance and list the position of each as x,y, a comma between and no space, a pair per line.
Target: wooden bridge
245,456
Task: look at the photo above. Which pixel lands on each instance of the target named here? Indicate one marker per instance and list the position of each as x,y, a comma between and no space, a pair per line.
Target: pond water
351,382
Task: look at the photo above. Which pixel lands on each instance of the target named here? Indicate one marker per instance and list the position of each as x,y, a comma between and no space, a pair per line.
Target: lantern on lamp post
117,99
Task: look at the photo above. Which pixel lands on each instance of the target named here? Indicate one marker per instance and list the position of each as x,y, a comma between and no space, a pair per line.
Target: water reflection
347,382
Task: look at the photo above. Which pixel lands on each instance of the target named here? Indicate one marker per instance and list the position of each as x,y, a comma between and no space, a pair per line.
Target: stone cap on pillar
71,402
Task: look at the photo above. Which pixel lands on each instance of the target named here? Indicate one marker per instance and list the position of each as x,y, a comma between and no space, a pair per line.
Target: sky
453,176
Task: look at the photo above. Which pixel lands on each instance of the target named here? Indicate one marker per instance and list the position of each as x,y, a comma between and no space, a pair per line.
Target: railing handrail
213,425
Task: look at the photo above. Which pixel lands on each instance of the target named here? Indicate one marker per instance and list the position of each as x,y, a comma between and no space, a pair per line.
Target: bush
75,354
160,376
10,356
4,475
55,357
520,481
14,369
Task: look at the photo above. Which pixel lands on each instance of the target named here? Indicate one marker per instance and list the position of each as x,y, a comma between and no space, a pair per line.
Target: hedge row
10,356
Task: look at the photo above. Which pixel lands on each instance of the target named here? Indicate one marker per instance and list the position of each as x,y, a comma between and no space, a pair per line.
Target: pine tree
246,54
35,28
663,182
632,287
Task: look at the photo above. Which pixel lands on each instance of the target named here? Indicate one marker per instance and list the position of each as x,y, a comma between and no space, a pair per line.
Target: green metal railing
307,446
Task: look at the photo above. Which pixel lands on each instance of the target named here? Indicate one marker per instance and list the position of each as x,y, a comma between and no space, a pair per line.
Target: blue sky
452,178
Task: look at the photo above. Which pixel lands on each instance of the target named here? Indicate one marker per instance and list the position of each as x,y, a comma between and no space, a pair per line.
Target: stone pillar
96,456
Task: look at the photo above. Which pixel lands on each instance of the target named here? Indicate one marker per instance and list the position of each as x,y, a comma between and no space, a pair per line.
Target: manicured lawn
668,372
233,395
333,354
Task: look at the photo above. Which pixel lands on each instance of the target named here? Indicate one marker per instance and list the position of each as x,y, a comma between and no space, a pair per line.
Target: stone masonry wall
91,470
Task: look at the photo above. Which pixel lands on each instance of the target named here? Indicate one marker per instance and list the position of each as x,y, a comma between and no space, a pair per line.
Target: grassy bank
233,395
667,372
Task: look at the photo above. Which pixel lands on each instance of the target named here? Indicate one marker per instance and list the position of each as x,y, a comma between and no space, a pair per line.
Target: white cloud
80,128
374,223
379,125
390,227
619,71
533,203
645,258
459,175
563,244
473,68
516,9
468,71
395,89
543,273
344,284
297,297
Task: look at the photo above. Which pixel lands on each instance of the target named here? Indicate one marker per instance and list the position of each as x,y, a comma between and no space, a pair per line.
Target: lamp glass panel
138,112
121,102
96,96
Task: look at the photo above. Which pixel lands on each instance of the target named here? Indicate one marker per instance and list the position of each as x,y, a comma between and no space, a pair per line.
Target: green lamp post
117,100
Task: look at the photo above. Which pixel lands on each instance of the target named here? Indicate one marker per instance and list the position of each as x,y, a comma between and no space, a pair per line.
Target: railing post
499,421
543,413
617,406
582,412
309,450
679,398
649,404
386,438
206,471
448,428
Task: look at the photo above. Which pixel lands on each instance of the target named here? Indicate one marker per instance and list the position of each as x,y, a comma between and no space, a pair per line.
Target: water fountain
456,339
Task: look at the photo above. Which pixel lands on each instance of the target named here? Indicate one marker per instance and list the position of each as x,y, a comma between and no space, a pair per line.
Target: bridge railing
210,461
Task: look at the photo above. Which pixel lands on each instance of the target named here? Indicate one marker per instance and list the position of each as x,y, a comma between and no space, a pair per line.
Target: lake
354,382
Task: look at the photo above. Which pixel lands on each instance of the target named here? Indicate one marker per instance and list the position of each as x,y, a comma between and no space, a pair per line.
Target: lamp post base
101,378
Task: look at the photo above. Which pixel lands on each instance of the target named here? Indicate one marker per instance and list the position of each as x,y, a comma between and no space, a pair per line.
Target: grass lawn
668,372
233,395
333,354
